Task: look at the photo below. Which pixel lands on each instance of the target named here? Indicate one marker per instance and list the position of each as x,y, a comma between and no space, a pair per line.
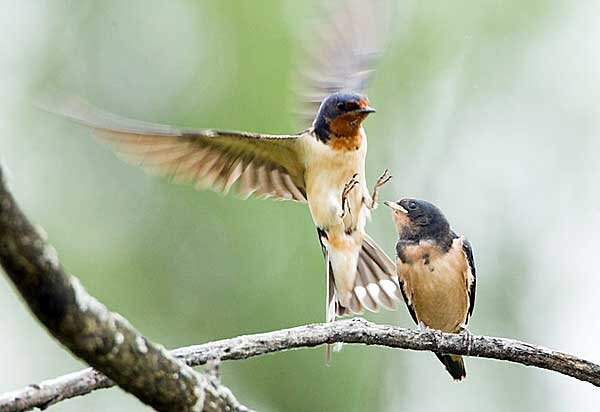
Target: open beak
395,206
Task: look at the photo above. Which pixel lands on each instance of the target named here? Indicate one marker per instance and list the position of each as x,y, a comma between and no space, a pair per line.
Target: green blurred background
487,108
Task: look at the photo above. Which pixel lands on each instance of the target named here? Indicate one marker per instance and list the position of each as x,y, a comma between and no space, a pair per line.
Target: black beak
367,109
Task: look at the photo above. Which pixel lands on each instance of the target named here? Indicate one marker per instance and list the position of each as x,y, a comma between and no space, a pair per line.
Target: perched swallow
323,165
436,272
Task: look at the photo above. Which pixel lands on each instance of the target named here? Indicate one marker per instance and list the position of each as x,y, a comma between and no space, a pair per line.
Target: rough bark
348,331
88,329
119,353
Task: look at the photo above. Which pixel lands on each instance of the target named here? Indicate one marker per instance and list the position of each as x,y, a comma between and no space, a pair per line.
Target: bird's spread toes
383,179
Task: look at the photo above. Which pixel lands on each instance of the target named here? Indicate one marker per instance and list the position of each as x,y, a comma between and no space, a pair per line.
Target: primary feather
260,164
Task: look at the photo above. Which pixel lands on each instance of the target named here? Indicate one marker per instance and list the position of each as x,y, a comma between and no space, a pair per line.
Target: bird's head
341,115
418,220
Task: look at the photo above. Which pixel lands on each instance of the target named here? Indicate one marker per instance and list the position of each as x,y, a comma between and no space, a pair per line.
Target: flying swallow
436,272
323,166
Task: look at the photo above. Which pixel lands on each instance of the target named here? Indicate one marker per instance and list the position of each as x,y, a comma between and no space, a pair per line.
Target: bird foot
345,193
424,328
468,337
383,179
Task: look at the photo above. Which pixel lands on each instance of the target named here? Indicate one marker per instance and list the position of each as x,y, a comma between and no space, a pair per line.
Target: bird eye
347,106
351,106
412,205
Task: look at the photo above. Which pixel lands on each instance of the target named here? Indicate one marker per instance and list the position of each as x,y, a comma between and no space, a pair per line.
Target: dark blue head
419,220
341,115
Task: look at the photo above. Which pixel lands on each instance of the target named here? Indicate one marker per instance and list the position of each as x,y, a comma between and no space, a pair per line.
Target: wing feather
472,278
260,164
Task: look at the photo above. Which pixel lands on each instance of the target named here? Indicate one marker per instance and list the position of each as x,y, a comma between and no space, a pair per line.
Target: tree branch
107,341
87,328
348,331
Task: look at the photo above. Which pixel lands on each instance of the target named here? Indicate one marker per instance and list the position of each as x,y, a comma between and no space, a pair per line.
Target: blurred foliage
188,267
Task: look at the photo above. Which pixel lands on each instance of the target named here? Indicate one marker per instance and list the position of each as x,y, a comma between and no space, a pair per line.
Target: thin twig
348,331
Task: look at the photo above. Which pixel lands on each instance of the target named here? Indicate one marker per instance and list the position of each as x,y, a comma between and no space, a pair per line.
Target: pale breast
436,285
327,172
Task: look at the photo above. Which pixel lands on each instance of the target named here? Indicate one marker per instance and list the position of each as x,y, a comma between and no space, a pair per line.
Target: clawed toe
468,336
347,189
350,185
383,179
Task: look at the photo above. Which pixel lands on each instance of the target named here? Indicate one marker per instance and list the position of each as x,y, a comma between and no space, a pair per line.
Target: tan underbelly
439,297
325,183
325,202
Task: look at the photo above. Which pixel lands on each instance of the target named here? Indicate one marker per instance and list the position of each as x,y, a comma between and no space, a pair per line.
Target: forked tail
376,284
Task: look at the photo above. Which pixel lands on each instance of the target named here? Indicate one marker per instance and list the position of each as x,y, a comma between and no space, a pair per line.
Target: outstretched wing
340,58
264,165
341,54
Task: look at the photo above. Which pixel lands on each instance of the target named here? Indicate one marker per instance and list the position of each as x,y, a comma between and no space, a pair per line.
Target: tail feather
360,289
376,278
368,279
333,308
355,306
455,366
330,303
375,285
378,256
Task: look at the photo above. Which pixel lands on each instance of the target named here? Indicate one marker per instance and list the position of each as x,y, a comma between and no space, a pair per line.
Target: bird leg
383,179
462,329
347,189
424,328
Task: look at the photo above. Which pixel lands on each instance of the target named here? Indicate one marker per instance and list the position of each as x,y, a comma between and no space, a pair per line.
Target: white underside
327,172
